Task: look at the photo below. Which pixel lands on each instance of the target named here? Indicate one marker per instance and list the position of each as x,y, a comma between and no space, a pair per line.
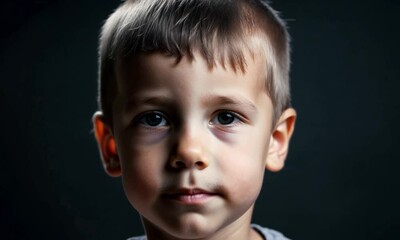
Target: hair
220,30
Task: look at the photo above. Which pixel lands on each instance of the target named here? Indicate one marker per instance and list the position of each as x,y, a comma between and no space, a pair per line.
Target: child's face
192,143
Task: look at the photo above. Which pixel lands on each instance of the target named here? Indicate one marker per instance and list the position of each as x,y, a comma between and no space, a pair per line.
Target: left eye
153,119
225,118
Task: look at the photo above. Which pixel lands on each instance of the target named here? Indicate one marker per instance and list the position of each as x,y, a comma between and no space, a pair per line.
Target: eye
153,119
225,118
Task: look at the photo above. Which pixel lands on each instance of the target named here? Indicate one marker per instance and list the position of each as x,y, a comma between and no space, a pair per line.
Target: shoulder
269,234
137,238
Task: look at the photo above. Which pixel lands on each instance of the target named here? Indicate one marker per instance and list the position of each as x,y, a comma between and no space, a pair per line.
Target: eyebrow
209,99
155,100
230,100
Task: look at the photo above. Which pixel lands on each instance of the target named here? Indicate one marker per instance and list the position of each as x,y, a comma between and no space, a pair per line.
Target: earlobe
106,143
280,138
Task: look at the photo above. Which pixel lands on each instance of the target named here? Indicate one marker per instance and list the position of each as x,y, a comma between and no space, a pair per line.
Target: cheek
248,152
243,164
141,174
244,185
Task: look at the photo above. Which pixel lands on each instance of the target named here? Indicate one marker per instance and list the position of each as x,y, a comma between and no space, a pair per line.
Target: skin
192,143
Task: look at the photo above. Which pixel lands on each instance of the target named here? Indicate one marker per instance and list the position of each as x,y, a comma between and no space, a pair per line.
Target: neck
237,230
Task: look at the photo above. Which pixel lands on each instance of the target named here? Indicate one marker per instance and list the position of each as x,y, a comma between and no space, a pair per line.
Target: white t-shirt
266,233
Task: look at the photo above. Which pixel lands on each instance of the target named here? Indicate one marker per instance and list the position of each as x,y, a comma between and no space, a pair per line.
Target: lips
189,196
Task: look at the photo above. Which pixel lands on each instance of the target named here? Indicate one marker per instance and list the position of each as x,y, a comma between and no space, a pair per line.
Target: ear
280,138
106,142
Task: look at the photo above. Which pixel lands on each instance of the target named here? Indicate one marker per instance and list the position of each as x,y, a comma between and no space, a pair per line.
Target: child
195,104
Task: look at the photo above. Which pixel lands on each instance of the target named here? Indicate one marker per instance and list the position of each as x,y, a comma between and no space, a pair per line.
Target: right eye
153,119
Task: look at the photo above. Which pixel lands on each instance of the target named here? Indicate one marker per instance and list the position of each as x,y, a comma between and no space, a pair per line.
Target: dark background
340,181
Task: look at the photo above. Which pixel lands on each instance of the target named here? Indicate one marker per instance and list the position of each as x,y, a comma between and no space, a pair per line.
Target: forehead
252,55
253,46
155,69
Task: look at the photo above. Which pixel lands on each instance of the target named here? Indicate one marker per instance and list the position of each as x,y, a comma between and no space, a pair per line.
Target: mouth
190,196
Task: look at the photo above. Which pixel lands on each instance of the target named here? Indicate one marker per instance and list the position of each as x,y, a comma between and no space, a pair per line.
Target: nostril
200,165
180,164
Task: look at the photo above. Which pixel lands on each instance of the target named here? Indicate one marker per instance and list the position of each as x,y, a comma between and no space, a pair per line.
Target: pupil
225,118
153,119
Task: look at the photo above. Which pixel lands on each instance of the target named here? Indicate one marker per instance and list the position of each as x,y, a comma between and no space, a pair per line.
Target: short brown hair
217,29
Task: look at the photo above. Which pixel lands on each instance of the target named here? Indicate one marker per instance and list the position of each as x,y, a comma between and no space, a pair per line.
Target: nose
189,152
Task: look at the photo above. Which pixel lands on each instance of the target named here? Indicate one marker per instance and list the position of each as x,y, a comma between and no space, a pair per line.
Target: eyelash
236,118
160,118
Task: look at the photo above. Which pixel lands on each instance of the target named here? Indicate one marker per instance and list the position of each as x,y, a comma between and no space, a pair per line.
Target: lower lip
190,199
